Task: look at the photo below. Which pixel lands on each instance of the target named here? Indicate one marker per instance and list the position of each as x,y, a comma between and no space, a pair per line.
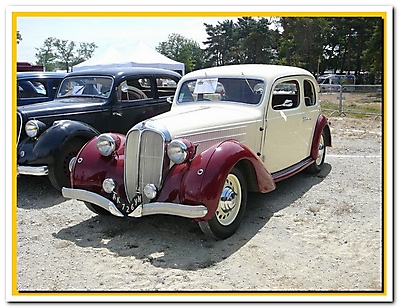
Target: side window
166,86
135,89
286,95
32,89
310,93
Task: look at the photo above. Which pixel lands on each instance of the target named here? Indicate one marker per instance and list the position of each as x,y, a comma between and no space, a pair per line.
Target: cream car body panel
223,121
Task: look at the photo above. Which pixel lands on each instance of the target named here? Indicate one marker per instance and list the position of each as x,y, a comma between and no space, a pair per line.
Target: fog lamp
150,191
109,185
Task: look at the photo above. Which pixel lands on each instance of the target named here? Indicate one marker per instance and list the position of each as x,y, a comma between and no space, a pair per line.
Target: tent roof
139,55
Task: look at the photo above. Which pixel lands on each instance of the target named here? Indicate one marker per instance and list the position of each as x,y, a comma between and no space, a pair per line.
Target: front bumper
168,208
32,170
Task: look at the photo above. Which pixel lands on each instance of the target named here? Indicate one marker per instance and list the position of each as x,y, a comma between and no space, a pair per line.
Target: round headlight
32,128
180,151
106,144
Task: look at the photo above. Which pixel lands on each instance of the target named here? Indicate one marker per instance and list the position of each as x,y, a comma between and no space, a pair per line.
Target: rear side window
310,93
32,89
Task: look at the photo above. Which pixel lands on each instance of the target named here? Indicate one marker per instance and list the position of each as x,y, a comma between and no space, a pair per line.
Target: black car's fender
45,148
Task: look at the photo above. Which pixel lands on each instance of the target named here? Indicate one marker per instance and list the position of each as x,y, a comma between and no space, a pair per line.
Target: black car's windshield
85,86
242,90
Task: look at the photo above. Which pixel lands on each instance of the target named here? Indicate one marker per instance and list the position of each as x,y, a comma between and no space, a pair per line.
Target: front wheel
318,163
59,174
230,210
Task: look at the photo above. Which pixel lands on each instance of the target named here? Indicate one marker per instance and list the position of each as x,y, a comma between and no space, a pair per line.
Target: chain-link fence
359,100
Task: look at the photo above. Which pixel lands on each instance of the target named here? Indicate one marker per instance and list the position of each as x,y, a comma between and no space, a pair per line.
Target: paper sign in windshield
206,85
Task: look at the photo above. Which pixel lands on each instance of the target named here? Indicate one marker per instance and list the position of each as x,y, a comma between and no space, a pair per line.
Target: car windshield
241,90
85,86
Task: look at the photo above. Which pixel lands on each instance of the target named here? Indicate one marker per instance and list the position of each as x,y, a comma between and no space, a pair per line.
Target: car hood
60,106
207,124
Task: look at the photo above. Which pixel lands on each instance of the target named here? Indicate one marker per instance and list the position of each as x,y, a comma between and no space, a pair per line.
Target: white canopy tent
140,55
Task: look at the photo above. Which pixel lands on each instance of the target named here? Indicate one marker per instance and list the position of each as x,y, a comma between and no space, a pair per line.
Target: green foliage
19,37
56,54
183,50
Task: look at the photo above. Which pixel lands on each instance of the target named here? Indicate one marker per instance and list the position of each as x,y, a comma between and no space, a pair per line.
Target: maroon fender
201,180
91,168
321,125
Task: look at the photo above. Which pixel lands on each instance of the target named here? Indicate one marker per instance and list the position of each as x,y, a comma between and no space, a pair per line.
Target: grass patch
356,105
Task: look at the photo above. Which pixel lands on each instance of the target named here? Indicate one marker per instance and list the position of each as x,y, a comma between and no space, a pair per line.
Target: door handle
117,114
306,119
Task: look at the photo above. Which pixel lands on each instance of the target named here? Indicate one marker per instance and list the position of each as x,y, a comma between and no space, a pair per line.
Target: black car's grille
144,160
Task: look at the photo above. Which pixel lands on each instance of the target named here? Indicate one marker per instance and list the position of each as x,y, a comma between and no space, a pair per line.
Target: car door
286,138
137,99
311,110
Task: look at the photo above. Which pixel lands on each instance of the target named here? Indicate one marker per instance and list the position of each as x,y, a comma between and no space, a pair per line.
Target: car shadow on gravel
36,192
177,243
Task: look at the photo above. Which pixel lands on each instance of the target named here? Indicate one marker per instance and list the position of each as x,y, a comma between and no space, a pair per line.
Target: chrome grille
144,156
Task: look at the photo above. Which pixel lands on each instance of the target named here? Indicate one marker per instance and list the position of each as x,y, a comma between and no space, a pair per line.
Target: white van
332,82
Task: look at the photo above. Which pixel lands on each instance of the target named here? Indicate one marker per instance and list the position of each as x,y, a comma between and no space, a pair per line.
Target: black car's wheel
230,210
97,209
59,174
318,163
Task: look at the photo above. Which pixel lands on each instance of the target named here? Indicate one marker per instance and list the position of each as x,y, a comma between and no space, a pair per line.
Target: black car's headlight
107,144
34,128
180,151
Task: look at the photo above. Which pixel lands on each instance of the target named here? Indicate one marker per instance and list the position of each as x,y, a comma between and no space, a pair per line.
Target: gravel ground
313,233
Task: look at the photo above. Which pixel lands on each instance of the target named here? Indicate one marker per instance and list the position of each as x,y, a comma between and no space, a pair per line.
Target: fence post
340,99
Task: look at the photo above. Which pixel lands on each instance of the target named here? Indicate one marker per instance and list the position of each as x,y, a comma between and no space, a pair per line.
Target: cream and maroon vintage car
231,130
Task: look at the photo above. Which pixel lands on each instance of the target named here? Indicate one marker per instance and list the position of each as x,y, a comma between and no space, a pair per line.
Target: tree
63,54
373,57
46,56
19,37
221,44
257,42
183,50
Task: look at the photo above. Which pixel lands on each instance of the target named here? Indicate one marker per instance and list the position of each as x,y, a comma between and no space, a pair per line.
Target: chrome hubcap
230,201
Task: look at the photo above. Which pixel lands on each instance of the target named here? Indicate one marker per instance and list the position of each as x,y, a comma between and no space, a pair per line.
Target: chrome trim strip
88,196
188,211
32,170
168,208
20,127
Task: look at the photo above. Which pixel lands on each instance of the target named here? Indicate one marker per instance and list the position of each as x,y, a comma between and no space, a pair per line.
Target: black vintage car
87,103
36,87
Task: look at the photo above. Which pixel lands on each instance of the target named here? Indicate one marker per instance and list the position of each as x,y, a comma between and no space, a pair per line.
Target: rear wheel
59,174
231,208
97,209
318,163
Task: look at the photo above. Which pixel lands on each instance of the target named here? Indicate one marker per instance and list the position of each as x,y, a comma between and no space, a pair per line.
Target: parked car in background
87,103
37,87
231,130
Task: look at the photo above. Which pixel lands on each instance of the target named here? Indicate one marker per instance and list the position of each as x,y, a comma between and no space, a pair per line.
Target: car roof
25,75
119,71
264,71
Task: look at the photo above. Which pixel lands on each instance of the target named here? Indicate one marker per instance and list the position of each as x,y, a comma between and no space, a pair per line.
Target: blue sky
121,32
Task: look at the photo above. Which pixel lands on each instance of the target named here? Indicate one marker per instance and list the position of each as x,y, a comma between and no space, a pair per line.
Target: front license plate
135,202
